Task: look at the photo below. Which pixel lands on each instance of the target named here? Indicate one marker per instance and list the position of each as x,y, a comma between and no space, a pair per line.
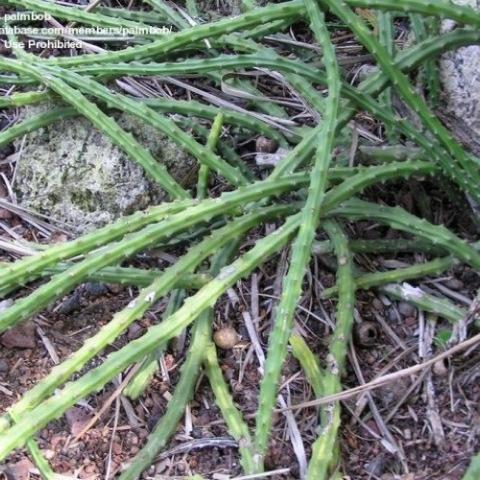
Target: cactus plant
309,190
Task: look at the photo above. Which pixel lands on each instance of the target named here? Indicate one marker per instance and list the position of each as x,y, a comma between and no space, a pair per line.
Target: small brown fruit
266,145
226,338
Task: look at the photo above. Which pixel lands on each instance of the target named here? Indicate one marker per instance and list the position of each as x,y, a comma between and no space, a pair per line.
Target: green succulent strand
146,298
103,122
400,219
308,362
116,362
386,38
237,428
75,14
212,140
300,256
424,301
369,280
35,122
149,366
323,449
461,168
21,271
113,253
183,393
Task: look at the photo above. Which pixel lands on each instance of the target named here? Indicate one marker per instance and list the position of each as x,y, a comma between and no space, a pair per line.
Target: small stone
440,369
266,145
134,331
72,303
21,469
93,289
3,366
226,338
22,336
454,284
77,419
406,309
48,454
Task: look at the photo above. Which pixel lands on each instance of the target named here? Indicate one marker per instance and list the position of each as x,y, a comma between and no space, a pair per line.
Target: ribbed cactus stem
460,167
147,297
369,280
176,406
60,284
292,284
20,271
400,219
237,428
323,449
424,301
212,140
116,362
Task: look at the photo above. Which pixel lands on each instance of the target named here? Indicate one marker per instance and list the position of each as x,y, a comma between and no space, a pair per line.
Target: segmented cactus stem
323,449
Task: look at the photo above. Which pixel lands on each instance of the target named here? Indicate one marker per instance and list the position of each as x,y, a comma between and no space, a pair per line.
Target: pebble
134,331
266,145
226,338
440,369
94,289
21,469
454,284
406,309
72,303
3,366
22,336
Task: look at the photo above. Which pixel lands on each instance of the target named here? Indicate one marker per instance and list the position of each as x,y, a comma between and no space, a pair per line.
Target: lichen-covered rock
73,173
460,76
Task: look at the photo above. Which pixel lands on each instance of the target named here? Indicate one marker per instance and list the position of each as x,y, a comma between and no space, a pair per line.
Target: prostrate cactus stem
146,298
237,428
60,284
288,11
20,272
424,301
77,14
369,280
400,219
149,365
386,38
116,362
461,168
201,337
292,284
105,123
212,140
323,449
35,122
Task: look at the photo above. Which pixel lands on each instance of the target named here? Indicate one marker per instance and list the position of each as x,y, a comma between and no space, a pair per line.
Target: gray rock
406,309
460,76
3,366
74,174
